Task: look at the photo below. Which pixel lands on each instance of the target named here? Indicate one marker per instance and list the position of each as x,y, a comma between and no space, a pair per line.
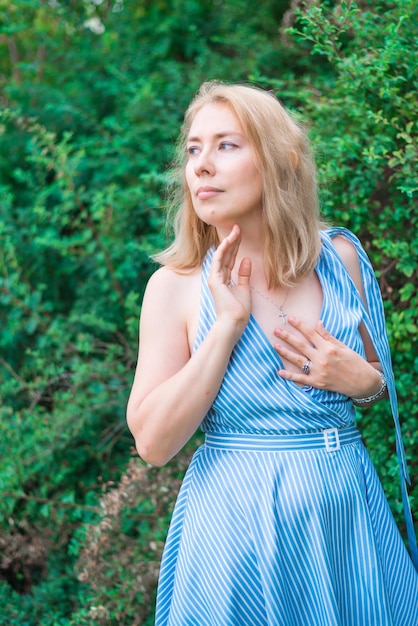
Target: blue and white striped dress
266,536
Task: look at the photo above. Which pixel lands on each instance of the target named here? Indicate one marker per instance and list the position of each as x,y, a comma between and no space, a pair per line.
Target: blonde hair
290,214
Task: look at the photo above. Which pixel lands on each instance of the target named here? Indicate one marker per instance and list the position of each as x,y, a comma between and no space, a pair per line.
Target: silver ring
306,368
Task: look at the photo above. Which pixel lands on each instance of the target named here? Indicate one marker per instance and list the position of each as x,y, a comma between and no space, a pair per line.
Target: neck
252,235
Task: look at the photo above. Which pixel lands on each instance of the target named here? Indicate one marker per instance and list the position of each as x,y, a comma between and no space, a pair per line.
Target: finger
305,329
234,233
225,254
304,344
322,331
228,248
297,358
317,336
301,379
244,272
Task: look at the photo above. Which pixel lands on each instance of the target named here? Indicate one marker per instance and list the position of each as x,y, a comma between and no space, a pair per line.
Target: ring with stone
306,368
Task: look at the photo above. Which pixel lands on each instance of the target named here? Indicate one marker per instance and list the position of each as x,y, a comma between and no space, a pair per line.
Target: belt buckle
328,433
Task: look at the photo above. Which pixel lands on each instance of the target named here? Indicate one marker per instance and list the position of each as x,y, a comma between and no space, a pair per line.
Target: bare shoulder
164,278
347,252
349,257
167,284
172,301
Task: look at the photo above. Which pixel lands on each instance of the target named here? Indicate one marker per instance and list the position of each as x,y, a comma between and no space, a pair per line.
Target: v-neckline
264,335
266,341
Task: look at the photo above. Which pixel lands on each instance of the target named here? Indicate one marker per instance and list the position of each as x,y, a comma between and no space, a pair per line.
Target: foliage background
91,98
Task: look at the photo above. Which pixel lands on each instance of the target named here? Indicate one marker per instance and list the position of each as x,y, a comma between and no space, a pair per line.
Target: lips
204,193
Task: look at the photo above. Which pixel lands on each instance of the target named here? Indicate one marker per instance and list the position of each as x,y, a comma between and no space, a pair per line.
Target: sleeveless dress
275,535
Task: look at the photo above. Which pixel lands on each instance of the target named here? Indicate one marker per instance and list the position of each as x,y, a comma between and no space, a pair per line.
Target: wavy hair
291,220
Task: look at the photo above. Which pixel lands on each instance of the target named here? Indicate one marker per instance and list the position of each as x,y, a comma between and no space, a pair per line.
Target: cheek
252,173
254,181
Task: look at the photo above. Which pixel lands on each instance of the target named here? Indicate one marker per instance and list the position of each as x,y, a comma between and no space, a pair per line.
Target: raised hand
329,363
232,302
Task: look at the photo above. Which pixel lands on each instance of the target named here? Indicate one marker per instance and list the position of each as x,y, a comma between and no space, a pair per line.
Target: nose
204,164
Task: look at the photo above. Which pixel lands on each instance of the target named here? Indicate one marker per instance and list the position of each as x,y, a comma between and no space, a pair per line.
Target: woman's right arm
173,390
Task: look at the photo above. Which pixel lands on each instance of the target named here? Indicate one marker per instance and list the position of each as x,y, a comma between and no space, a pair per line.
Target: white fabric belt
329,439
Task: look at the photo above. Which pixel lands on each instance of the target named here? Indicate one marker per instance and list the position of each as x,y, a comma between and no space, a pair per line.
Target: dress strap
375,323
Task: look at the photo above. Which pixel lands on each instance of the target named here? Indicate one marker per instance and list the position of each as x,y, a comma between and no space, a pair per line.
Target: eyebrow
218,135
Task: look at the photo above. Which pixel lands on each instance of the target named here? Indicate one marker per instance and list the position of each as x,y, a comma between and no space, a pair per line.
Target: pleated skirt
273,538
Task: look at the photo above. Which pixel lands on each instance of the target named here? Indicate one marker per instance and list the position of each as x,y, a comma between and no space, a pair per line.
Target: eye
192,150
227,145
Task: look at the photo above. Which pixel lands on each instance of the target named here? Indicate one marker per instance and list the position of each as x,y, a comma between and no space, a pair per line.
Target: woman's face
225,184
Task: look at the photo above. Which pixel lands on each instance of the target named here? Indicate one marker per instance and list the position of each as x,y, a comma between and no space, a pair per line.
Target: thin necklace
280,307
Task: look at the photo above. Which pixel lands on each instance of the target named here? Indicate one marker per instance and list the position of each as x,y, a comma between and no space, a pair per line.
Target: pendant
283,316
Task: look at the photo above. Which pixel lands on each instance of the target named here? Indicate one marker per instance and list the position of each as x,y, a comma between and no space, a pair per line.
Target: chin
212,217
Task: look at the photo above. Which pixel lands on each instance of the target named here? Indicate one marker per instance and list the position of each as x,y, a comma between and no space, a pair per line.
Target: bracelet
376,396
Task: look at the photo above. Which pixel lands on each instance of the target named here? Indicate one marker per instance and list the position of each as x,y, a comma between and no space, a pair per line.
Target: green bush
92,98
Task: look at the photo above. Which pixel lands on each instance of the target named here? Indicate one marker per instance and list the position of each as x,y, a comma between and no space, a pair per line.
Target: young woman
264,329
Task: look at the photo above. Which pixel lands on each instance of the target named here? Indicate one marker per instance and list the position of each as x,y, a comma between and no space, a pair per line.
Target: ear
295,158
